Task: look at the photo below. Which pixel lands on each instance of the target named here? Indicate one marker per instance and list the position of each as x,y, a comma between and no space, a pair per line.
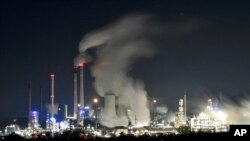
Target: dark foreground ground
192,136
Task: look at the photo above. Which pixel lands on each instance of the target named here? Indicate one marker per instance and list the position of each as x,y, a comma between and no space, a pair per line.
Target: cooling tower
109,105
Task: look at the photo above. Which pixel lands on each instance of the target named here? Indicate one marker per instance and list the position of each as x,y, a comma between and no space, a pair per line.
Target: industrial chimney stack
81,87
75,95
52,94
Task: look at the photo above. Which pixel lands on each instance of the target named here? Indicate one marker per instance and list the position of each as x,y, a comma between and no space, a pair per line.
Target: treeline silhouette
77,136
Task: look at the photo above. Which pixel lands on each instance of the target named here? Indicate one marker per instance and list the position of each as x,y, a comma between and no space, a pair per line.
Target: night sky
41,37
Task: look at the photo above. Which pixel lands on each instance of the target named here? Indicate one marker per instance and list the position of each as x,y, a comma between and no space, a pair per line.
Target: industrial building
210,120
181,115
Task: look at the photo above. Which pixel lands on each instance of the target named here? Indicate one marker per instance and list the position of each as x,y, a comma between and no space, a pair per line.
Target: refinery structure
126,108
211,119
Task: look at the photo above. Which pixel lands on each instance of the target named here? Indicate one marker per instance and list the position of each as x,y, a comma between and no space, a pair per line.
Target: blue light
82,112
53,119
34,113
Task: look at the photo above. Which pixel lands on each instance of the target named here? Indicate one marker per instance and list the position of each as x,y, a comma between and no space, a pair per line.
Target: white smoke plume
82,58
238,113
118,46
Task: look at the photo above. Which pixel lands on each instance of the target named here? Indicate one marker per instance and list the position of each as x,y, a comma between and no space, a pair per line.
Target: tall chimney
52,94
66,111
75,95
81,87
185,106
29,114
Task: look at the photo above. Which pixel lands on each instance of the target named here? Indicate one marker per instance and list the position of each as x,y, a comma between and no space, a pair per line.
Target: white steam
161,109
118,46
238,113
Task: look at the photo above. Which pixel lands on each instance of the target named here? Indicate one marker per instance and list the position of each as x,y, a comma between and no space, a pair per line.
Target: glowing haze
238,113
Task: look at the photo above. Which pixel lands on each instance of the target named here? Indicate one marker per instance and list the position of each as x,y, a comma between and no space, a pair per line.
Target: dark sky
40,37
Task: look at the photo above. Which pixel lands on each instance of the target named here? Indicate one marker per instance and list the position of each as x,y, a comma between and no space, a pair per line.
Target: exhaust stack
75,95
81,87
52,94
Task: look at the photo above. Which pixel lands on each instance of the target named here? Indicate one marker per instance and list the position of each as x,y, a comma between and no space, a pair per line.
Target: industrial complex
90,120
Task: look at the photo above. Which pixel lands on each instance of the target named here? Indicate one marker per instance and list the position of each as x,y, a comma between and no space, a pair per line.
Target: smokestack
52,94
109,105
29,114
75,95
81,87
185,106
66,111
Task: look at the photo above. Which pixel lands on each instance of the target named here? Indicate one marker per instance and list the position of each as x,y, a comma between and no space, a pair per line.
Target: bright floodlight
95,100
154,101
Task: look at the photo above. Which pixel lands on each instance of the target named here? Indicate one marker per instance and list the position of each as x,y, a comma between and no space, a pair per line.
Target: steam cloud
238,113
118,46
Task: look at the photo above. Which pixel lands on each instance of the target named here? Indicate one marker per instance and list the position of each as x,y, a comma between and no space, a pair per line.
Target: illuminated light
53,119
52,75
154,101
78,105
87,107
52,96
82,112
95,100
81,64
210,119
